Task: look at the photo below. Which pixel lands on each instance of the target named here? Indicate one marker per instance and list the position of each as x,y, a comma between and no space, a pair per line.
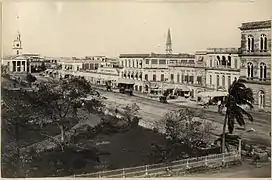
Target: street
153,111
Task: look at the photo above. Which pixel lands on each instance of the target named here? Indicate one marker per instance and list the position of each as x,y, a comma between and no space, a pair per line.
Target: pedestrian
219,106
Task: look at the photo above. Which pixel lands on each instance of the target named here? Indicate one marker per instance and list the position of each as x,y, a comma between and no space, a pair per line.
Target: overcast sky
84,28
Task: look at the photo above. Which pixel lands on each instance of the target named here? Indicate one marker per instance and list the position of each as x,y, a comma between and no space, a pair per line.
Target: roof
212,94
222,50
256,25
154,55
125,81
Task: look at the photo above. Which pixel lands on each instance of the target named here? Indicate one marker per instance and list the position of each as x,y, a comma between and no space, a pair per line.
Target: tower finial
168,43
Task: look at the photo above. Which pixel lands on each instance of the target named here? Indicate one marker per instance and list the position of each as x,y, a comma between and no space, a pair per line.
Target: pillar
22,67
25,66
29,68
11,66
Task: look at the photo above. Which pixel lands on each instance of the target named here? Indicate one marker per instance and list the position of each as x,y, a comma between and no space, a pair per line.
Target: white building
222,66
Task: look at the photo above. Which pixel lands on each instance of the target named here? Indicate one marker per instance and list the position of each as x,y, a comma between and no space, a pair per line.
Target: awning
212,94
177,87
125,81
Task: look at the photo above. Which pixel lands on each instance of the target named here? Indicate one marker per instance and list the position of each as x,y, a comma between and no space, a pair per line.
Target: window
217,82
147,61
224,62
128,63
235,63
154,61
250,43
229,61
210,79
154,77
146,77
172,77
263,43
162,61
218,60
249,70
192,79
133,64
177,78
261,99
137,64
262,71
229,81
199,80
210,62
186,78
223,81
162,77
182,78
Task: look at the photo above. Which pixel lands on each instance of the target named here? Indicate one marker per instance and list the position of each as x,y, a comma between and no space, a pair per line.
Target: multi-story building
256,60
152,71
222,66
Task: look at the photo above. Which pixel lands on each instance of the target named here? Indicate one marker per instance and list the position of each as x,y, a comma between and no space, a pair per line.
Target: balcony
222,68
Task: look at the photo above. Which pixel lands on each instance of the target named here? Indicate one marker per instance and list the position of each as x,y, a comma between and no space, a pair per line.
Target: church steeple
17,43
168,43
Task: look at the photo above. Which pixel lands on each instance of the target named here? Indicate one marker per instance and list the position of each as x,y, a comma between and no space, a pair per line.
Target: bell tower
17,43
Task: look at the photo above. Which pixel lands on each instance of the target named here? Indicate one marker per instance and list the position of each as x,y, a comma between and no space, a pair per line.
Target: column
29,68
11,66
25,66
22,67
18,64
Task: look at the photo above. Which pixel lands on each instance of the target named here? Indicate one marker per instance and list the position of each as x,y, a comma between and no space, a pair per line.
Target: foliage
30,78
182,126
4,69
130,112
239,95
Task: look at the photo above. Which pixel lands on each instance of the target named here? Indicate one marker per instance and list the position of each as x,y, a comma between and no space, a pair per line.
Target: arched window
261,98
133,64
262,71
249,70
218,60
217,83
137,64
229,61
224,62
263,43
250,43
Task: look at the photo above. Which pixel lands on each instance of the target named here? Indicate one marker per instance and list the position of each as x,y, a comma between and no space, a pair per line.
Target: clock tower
17,45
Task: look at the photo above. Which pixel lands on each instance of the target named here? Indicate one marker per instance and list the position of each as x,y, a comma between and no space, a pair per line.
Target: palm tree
239,95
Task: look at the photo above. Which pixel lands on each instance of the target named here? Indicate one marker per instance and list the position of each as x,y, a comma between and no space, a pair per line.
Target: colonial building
256,60
222,66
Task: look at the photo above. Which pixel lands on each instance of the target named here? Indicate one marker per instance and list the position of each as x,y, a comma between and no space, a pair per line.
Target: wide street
153,111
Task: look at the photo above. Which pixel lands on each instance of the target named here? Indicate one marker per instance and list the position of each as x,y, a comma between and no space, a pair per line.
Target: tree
4,69
130,112
185,126
30,78
239,95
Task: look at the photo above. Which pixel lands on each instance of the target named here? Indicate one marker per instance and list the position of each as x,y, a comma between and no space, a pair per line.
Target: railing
171,168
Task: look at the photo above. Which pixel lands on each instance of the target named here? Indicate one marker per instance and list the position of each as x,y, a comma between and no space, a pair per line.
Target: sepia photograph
136,89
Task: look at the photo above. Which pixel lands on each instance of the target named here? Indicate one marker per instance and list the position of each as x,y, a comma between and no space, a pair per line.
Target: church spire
17,43
168,43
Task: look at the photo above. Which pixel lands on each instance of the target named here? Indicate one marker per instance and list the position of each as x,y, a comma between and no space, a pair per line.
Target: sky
92,27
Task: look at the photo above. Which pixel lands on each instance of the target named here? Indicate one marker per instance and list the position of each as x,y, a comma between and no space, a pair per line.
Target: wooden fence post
206,161
124,175
146,171
223,159
240,149
187,165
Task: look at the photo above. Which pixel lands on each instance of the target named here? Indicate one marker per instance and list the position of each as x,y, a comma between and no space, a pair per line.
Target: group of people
220,105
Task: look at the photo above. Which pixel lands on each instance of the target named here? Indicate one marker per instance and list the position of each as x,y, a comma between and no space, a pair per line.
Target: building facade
222,66
256,60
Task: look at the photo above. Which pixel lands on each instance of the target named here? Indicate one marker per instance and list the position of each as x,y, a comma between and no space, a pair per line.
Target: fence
171,168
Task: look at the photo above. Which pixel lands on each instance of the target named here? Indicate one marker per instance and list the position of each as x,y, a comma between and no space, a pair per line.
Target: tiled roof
256,25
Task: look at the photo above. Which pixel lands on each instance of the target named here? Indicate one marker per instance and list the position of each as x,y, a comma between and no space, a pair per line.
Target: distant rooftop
154,55
256,25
